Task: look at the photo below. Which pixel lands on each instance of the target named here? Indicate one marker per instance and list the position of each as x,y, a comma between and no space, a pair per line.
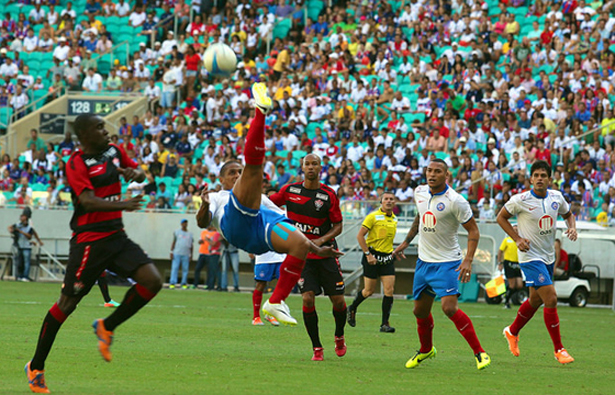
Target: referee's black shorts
383,267
512,269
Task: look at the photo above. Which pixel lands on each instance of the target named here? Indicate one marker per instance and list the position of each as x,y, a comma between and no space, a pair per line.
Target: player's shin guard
51,325
424,327
104,288
257,299
552,323
255,140
387,305
524,315
290,272
310,318
136,297
340,320
465,327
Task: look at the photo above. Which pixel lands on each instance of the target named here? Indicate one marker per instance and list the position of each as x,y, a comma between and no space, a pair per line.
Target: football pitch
198,342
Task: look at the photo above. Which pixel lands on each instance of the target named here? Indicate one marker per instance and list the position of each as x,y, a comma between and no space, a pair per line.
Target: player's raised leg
450,307
148,284
524,315
424,321
368,290
247,189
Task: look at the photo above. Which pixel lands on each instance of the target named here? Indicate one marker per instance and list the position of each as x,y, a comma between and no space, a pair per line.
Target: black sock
136,297
51,325
104,288
387,304
310,319
340,321
509,293
357,301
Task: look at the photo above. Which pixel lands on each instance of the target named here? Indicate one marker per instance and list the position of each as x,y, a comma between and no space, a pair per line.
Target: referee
509,259
380,227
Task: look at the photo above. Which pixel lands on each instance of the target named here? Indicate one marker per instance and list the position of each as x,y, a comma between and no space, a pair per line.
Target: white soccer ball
220,59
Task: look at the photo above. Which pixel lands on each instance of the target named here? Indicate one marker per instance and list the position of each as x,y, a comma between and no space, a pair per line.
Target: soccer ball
220,59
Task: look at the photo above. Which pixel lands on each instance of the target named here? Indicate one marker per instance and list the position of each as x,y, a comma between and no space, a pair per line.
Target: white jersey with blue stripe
537,222
440,216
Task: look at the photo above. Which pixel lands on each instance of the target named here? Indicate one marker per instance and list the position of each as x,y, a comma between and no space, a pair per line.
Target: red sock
290,273
552,323
255,140
465,327
425,329
525,313
257,298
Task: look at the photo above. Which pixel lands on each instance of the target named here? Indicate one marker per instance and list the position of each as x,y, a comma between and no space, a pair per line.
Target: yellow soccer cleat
261,97
420,357
482,360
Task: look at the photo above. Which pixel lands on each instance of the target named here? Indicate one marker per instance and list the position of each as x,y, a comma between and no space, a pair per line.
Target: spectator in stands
18,102
92,82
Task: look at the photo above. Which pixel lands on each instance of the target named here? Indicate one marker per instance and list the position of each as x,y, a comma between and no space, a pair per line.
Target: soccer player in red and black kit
315,210
98,242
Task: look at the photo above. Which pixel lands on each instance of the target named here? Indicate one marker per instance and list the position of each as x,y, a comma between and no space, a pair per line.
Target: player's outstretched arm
203,216
571,223
325,252
92,203
503,220
414,230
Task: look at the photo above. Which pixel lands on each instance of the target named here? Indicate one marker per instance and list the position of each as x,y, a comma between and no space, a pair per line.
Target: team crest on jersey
301,282
318,203
440,206
554,205
116,162
429,222
294,190
545,224
541,278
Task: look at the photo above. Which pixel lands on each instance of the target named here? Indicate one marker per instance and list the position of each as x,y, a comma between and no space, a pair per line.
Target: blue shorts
248,229
537,273
267,271
436,278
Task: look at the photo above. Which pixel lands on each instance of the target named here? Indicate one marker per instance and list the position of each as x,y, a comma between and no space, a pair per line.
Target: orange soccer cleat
563,357
36,380
513,341
105,338
257,321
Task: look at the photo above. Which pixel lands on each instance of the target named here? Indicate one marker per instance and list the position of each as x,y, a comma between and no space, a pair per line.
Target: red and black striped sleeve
335,214
77,174
279,198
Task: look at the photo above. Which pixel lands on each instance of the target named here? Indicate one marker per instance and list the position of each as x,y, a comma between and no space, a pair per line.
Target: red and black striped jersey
313,211
99,174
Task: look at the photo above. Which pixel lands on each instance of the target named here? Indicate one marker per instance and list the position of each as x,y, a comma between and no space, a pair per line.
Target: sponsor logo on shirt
314,230
440,206
322,196
429,222
294,190
545,224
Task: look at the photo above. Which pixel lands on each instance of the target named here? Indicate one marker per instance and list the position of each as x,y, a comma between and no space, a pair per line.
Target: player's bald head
311,158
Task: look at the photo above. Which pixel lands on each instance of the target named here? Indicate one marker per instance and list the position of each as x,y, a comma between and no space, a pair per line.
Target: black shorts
322,274
384,266
87,261
512,269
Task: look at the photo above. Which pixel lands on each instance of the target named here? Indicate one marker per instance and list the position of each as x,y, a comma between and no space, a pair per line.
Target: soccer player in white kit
537,211
440,266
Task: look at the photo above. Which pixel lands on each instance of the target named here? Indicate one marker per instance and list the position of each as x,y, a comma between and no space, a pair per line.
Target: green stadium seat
282,28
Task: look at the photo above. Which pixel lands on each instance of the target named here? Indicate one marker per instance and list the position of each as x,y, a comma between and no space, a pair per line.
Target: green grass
196,342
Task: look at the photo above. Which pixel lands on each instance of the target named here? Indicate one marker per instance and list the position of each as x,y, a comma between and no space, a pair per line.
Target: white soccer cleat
261,97
279,312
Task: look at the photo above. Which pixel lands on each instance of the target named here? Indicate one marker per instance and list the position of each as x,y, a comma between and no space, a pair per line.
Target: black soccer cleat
352,317
387,329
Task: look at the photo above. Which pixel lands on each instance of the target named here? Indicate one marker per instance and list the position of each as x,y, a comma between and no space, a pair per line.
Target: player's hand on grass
371,259
571,234
129,174
523,244
133,204
465,270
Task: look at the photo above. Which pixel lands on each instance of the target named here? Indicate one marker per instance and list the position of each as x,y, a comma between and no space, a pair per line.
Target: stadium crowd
376,88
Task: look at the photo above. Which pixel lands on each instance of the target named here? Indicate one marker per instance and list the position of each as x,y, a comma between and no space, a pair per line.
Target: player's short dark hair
226,165
387,192
540,165
438,160
82,123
